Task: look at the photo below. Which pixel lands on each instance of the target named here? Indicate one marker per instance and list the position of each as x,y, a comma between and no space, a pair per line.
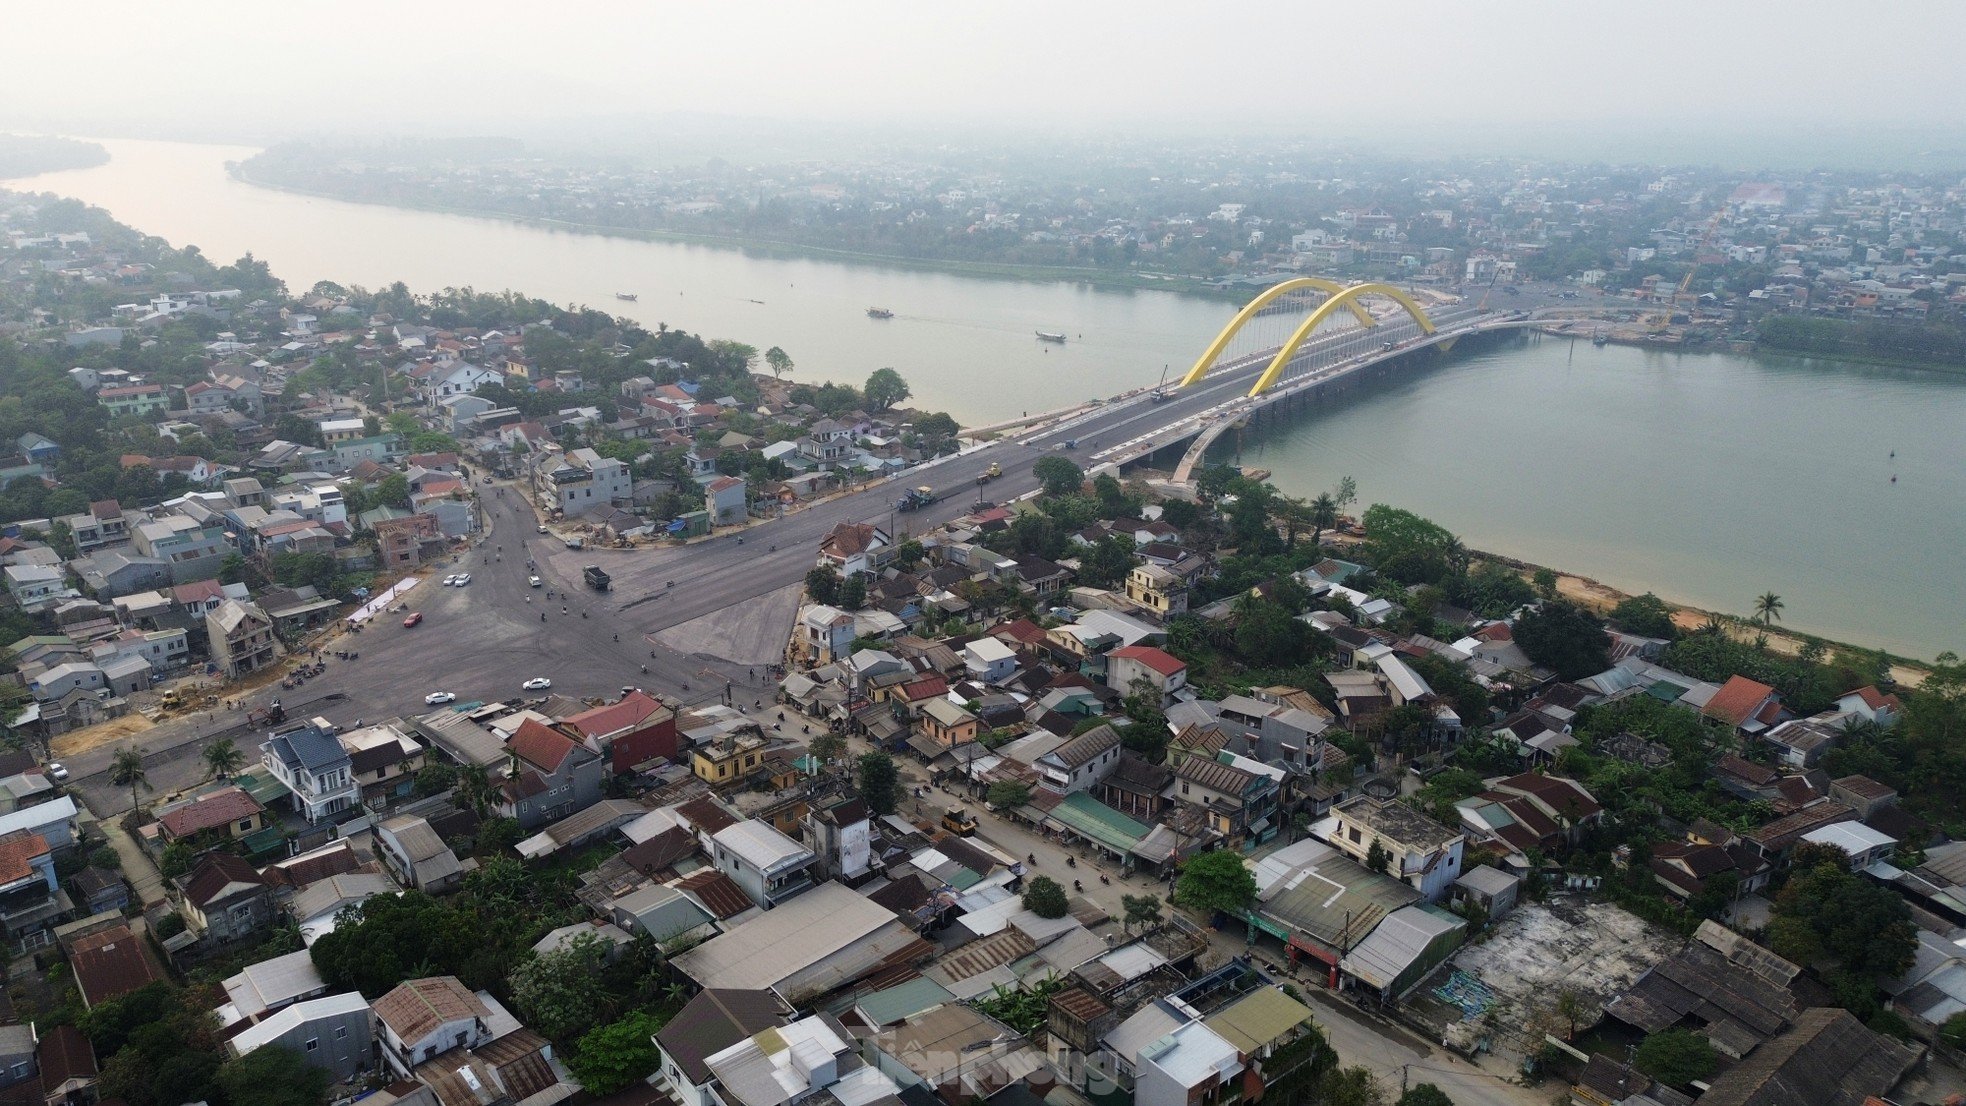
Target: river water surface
1708,478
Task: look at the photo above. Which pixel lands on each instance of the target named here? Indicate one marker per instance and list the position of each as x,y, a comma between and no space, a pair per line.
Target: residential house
839,831
68,1068
1748,706
1529,811
549,776
31,899
190,549
826,632
1157,589
632,731
109,963
724,500
315,770
240,637
730,759
855,547
1080,763
1237,798
425,1018
1417,850
826,444
1160,670
416,855
768,865
1871,705
712,1021
224,898
945,725
134,400
333,1033
227,812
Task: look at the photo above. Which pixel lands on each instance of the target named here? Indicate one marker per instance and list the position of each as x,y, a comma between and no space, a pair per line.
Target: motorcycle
1032,859
1070,863
1077,886
1103,879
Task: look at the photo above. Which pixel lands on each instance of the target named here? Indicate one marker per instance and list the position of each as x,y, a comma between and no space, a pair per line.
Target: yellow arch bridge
1340,297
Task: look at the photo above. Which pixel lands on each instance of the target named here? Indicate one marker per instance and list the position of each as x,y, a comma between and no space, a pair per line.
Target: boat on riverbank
879,313
1051,336
630,297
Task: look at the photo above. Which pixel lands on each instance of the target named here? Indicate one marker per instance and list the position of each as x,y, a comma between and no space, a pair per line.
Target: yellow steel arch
1346,298
1249,310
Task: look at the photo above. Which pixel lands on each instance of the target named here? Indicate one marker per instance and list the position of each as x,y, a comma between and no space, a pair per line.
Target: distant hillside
25,156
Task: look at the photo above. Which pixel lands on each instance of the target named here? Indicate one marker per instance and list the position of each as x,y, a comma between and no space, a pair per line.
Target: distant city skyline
1524,77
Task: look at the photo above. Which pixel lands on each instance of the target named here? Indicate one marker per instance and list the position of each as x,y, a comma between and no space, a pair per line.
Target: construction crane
1664,319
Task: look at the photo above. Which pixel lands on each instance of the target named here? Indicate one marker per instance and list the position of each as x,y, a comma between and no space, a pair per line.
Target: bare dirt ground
89,738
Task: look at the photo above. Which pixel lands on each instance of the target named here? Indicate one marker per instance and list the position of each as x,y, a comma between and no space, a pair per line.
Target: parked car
463,578
532,581
56,772
542,528
414,618
438,698
537,683
449,580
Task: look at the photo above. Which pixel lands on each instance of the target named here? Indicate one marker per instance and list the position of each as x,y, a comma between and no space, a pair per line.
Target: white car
463,578
532,581
438,698
537,683
543,530
56,772
449,580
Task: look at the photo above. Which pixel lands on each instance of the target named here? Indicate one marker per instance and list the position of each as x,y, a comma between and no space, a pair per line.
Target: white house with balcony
315,769
768,865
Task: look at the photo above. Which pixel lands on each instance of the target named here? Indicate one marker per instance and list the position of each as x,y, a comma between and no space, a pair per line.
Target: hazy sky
256,69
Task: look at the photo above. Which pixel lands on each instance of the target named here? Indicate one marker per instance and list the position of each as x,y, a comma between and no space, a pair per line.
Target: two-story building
416,855
224,899
768,865
425,1018
730,759
134,400
947,725
1416,850
548,776
726,500
1158,590
1133,665
1080,763
855,547
1238,800
315,770
192,550
30,898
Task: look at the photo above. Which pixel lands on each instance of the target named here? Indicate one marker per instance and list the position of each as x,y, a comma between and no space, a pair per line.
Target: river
1708,478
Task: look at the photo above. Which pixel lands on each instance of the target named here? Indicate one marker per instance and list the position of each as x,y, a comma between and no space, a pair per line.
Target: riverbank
778,249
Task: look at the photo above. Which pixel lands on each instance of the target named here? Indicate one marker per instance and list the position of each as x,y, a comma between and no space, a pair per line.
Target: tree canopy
879,782
884,389
1675,1057
1827,912
1215,881
612,1056
1045,898
1058,475
1564,638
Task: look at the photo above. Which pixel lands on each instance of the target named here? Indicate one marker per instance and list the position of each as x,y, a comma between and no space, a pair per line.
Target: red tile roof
1159,660
540,746
220,808
1737,700
1022,630
17,852
635,708
216,873
929,687
110,964
1874,699
718,892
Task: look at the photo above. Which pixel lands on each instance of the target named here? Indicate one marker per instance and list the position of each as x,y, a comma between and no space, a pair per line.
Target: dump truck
995,470
916,499
595,578
959,821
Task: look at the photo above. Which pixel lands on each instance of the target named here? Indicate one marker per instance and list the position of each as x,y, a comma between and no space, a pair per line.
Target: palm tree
126,770
223,758
1768,608
474,783
1324,515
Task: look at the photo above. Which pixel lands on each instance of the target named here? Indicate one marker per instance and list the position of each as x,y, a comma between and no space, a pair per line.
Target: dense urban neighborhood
1060,786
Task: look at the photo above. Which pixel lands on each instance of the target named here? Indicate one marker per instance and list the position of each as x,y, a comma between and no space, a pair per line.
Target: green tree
232,569
884,389
272,1076
1322,514
1545,583
1215,882
1006,794
1768,608
1564,638
1424,1094
1354,1086
908,556
879,782
393,491
1825,911
853,592
823,584
827,746
176,860
1953,1032
779,361
560,992
1675,1057
126,770
1058,475
1269,635
1107,562
223,757
435,779
1140,910
1645,614
938,424
1377,858
1045,898
612,1056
